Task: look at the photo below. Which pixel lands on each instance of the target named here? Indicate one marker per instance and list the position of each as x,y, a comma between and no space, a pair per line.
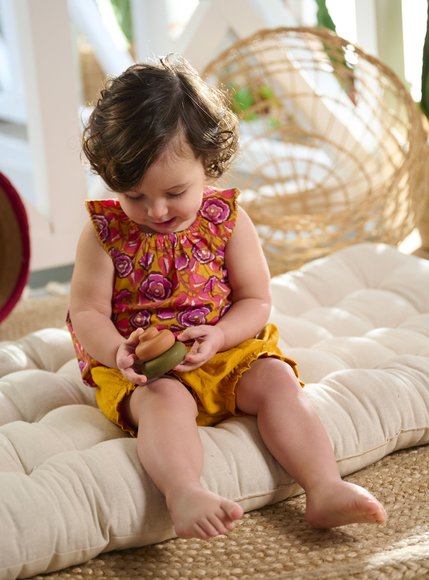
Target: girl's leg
295,436
170,450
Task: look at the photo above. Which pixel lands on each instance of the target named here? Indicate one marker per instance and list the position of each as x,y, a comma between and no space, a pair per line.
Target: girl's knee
268,379
281,379
166,392
169,390
275,372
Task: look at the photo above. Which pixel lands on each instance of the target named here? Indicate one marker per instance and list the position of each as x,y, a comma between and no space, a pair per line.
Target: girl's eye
133,197
176,194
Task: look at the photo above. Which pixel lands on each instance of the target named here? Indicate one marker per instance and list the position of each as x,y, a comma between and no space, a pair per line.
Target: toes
350,504
204,529
202,532
377,512
233,511
222,521
219,525
206,516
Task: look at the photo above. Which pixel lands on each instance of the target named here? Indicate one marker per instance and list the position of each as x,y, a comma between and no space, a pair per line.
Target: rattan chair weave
333,148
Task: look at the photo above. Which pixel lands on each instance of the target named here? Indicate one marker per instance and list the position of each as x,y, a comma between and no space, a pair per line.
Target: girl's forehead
172,170
178,148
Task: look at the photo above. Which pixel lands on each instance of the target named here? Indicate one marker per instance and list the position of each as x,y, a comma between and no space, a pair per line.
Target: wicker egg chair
333,149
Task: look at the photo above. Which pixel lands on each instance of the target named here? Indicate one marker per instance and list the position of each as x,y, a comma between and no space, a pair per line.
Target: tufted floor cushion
71,485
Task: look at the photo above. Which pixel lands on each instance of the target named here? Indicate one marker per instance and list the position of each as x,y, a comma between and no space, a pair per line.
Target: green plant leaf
323,17
342,69
243,99
266,92
122,12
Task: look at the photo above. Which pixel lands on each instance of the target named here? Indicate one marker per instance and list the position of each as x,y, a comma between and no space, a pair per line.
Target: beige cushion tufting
71,485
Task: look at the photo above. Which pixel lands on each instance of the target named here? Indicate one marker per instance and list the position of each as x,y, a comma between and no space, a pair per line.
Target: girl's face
170,194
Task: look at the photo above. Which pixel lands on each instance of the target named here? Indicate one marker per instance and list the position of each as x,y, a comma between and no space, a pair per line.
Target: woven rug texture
31,314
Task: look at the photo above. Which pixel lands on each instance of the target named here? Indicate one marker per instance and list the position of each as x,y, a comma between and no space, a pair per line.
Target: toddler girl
172,252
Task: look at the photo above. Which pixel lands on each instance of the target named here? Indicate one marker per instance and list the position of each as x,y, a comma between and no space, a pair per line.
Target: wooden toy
158,352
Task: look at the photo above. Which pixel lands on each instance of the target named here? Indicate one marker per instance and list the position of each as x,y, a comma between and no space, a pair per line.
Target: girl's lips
164,224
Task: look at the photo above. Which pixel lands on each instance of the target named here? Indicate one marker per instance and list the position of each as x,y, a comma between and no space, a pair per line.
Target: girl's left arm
249,278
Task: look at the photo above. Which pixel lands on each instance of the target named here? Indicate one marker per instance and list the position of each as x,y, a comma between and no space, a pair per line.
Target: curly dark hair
143,109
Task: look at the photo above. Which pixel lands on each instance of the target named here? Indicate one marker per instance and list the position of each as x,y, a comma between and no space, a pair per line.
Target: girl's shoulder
230,195
110,222
219,206
107,207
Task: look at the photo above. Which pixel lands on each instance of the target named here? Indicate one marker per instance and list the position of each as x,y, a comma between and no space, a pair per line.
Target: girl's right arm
91,307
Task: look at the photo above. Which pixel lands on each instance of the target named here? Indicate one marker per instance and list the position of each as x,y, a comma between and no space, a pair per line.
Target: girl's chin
167,227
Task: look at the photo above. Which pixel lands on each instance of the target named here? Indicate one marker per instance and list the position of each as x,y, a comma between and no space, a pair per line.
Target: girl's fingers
134,336
192,361
192,333
134,377
184,368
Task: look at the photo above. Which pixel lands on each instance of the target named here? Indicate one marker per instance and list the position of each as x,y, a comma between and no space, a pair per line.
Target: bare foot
343,503
199,513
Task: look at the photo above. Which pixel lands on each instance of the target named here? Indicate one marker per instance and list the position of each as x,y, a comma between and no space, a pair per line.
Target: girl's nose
157,209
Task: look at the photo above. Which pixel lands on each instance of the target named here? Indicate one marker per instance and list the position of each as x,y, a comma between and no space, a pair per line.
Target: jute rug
275,542
32,314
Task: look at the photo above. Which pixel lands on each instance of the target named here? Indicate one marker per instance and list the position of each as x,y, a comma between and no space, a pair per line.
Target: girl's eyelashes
172,194
133,197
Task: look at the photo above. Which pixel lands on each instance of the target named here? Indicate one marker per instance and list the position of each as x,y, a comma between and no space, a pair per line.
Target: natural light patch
414,29
343,14
411,243
110,22
179,14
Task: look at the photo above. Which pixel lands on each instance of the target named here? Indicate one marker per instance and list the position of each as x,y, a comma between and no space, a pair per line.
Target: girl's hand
125,358
208,340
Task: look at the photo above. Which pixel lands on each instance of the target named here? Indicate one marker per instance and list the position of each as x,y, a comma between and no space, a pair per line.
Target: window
12,106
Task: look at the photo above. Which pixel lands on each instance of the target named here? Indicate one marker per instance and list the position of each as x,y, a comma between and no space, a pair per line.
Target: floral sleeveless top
167,280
